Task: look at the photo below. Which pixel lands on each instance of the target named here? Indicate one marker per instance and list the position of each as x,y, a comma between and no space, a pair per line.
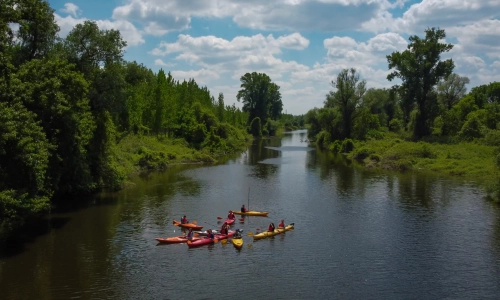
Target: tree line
430,102
65,103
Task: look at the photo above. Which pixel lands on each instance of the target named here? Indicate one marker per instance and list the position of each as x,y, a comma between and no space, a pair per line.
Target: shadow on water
29,233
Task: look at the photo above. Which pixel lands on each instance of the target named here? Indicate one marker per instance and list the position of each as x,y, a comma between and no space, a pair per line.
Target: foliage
452,89
255,127
261,97
420,69
350,90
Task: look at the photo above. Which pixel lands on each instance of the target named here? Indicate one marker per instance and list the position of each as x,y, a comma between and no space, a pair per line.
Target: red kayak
208,241
188,225
224,236
175,239
200,242
230,221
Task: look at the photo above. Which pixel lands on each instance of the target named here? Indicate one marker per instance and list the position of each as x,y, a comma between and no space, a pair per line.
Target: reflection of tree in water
264,171
418,190
258,151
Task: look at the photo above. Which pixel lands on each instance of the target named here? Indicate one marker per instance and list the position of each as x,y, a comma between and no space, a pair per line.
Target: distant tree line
431,102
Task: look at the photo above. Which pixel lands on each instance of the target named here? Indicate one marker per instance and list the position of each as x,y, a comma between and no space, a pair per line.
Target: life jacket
282,225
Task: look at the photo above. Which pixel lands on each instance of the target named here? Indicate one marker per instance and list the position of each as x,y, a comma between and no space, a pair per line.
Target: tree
452,89
37,29
261,98
220,107
420,69
348,95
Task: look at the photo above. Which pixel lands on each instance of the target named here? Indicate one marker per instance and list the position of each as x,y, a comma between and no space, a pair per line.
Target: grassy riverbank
135,153
470,161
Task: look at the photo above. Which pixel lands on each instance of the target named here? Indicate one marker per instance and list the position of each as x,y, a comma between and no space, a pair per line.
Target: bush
323,138
395,125
336,146
347,146
362,153
256,127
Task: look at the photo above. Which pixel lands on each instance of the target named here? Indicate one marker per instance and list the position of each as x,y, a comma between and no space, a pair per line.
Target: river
358,234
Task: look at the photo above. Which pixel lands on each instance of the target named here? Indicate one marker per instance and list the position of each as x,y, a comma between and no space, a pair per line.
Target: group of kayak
197,238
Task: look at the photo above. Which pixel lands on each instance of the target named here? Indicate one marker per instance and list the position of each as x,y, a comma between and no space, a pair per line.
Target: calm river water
358,235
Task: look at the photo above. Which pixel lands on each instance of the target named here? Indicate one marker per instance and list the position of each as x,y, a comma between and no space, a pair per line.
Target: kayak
175,239
265,234
204,233
287,227
200,242
208,241
188,225
276,231
224,236
230,221
251,213
237,242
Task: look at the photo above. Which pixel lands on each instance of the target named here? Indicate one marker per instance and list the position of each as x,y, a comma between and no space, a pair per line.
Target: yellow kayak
237,242
276,231
251,213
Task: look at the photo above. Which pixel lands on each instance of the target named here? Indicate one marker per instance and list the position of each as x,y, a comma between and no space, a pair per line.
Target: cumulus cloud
128,31
434,13
71,9
239,55
160,62
161,17
202,76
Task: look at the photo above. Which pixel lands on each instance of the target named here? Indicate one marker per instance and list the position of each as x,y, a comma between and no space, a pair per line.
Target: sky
302,45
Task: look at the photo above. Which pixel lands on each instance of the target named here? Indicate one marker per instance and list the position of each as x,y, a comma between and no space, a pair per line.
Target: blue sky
301,44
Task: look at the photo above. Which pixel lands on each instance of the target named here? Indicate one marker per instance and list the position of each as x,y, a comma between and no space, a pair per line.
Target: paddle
219,218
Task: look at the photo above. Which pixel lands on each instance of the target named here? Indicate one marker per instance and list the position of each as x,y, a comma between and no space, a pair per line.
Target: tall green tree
420,68
37,30
260,97
452,89
350,91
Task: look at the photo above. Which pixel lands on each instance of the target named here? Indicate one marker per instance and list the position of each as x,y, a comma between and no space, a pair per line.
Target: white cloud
434,13
71,9
161,17
240,55
202,76
160,62
127,30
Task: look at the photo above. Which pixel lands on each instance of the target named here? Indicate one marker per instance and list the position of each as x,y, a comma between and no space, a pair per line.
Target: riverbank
137,153
468,160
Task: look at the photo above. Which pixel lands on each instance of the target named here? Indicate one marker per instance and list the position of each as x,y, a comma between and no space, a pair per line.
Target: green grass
471,161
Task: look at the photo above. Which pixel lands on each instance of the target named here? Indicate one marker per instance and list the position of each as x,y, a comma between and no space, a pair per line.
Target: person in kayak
190,234
271,227
231,215
184,220
243,208
210,234
237,234
224,229
281,224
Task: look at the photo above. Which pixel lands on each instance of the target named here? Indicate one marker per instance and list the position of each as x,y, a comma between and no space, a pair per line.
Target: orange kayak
188,225
175,239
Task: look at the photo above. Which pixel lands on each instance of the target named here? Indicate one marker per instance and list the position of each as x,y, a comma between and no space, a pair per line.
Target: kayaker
271,227
237,234
231,215
184,220
210,234
224,228
190,234
282,224
243,208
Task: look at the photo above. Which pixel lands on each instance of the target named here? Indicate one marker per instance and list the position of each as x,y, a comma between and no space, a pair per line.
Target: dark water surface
358,235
